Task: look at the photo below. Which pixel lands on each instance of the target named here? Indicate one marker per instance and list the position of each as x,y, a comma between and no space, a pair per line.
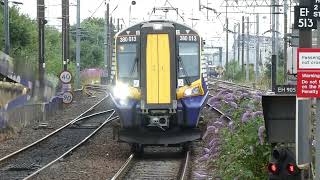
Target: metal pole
303,137
317,136
129,15
277,44
41,23
242,49
6,27
317,165
257,48
67,34
285,39
106,39
78,48
227,37
234,42
274,56
220,56
65,3
118,25
234,49
110,47
239,43
248,46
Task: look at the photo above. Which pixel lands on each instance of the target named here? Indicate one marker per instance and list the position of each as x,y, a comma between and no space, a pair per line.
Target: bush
241,153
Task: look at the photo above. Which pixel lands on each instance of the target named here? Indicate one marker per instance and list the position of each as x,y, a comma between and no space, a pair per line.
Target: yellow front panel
152,69
164,68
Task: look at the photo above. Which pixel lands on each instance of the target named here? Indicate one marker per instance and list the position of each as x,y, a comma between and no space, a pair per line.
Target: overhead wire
96,9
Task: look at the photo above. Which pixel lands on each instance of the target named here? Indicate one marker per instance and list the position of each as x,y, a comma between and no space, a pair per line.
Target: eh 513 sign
306,17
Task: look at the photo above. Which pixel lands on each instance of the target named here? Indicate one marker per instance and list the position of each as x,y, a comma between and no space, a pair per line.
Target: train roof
154,21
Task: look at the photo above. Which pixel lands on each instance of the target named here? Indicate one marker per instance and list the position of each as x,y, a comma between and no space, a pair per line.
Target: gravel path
32,133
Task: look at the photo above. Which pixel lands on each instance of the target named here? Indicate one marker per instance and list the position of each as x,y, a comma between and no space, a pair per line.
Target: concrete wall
20,117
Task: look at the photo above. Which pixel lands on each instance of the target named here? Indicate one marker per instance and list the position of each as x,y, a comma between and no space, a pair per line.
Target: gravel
32,132
100,158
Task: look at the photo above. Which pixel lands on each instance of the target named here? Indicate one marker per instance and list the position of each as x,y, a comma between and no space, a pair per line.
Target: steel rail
123,168
109,119
54,132
185,167
91,115
218,110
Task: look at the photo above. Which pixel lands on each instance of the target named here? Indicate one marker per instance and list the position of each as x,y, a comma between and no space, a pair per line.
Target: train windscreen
127,61
189,54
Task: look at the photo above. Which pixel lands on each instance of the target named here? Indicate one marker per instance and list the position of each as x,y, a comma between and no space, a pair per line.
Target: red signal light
291,168
273,168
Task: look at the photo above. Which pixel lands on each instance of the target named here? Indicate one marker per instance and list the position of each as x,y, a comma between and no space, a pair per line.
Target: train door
158,66
158,69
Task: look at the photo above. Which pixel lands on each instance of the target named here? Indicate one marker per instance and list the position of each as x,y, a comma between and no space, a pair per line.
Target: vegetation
24,44
264,81
241,153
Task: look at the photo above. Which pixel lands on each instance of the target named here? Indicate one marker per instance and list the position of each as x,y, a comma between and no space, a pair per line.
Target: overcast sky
211,28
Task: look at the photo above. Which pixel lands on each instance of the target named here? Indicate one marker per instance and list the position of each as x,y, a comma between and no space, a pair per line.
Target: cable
97,9
167,1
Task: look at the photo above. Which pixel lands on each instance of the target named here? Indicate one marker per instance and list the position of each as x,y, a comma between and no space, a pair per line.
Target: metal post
239,43
277,44
129,21
248,46
118,25
317,165
234,49
234,42
106,39
220,56
303,146
65,22
110,43
317,135
6,27
67,34
242,49
41,23
285,39
274,56
78,48
227,37
257,48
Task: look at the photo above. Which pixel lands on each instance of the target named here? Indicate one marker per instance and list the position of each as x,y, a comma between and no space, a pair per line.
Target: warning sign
308,80
308,84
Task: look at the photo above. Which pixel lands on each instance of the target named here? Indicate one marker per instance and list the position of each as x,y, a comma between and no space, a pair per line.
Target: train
159,88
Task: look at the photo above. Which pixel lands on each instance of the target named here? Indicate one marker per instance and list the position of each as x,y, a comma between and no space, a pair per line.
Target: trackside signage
308,80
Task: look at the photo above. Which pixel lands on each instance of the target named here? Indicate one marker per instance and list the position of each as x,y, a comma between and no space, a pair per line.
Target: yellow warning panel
152,69
164,68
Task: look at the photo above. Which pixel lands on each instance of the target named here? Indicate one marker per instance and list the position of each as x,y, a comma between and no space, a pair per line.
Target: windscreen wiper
184,71
133,66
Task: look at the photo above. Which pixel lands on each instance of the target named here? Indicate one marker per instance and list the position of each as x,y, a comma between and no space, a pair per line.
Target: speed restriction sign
67,97
65,77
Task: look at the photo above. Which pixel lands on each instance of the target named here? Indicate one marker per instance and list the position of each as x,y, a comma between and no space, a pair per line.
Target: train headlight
121,91
193,91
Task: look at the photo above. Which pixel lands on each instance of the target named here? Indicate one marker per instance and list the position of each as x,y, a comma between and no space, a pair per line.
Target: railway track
227,84
155,166
32,159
